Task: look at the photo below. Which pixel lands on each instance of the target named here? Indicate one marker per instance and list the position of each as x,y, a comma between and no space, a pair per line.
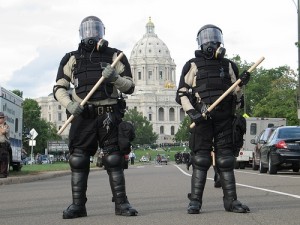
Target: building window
161,130
149,75
161,114
135,107
59,107
16,125
172,130
172,114
139,75
253,128
59,117
160,75
150,117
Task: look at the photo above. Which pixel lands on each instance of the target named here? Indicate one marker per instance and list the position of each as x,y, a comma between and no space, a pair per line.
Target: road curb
36,177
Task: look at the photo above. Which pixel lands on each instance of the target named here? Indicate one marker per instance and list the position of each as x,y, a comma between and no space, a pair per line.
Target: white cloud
36,34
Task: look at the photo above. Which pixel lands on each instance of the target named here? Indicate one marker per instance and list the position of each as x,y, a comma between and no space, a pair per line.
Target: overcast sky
35,34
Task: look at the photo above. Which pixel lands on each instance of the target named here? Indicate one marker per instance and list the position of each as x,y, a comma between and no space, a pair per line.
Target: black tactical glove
245,77
190,162
74,108
195,116
110,74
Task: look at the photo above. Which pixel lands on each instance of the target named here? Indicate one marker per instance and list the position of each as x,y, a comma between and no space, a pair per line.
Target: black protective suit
98,125
202,81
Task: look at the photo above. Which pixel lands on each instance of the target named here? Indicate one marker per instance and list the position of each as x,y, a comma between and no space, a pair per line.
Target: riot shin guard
197,187
79,187
231,204
80,166
117,184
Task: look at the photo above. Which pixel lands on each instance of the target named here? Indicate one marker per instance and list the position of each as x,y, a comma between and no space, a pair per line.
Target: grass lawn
59,166
37,168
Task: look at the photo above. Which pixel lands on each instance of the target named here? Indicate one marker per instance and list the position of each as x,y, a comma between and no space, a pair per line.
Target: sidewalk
36,177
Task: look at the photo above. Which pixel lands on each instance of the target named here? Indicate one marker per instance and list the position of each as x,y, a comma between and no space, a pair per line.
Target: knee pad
113,161
79,162
225,163
201,162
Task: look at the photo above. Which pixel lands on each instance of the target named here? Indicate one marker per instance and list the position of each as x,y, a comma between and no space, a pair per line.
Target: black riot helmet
210,39
91,30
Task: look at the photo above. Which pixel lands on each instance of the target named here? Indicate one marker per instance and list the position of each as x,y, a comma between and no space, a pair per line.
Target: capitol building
154,74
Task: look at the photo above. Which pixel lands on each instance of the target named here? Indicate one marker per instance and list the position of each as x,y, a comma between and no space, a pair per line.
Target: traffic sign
33,133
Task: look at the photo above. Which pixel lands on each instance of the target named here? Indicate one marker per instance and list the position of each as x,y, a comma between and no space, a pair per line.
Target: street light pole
298,46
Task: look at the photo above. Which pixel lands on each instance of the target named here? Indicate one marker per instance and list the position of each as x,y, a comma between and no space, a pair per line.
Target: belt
100,110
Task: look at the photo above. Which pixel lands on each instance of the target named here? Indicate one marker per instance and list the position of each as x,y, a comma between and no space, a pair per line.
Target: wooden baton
210,108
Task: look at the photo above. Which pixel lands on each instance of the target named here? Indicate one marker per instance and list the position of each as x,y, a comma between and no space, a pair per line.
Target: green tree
143,128
32,119
18,92
270,93
281,101
183,133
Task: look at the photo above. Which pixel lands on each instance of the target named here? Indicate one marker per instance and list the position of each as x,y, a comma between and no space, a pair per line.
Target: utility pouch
89,111
126,135
239,129
121,103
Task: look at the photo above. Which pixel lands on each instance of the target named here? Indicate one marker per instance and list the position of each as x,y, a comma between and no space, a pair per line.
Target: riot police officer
4,146
203,80
96,124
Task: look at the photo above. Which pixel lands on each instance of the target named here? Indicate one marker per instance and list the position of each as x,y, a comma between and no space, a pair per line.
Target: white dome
151,63
150,45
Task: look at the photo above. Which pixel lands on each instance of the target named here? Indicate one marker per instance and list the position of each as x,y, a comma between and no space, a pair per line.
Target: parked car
44,159
260,140
144,159
29,161
164,159
282,150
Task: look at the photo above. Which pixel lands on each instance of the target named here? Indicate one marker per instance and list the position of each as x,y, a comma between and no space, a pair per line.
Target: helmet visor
91,29
210,35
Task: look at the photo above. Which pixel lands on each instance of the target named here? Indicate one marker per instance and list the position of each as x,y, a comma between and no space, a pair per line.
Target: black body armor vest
212,79
88,70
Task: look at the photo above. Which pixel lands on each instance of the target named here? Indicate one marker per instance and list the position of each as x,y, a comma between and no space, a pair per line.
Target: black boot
231,204
197,188
117,184
79,187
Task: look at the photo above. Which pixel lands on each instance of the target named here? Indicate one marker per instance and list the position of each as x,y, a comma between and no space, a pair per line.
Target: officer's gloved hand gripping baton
210,108
90,93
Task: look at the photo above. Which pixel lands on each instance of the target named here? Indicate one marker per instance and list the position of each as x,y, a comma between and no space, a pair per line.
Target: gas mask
93,43
101,45
213,50
90,43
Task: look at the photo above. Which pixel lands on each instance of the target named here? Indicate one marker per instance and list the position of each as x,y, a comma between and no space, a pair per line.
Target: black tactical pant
214,133
4,157
90,133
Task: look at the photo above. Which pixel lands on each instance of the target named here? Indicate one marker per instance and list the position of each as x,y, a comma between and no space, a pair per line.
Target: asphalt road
159,193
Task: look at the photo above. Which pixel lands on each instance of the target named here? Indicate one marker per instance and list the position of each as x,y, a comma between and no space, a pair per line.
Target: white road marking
249,186
264,174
